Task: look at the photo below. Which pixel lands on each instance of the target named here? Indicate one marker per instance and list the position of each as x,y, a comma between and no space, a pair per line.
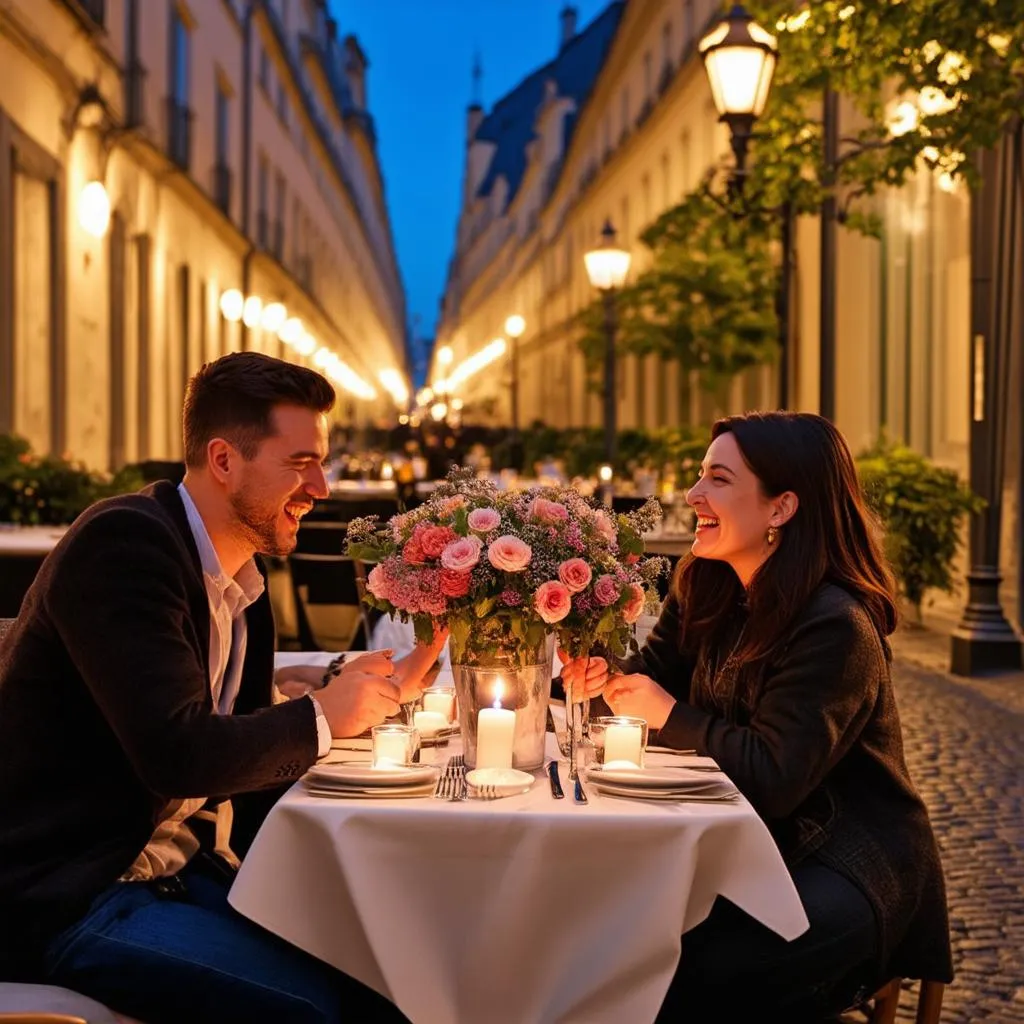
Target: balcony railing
134,95
179,133
222,187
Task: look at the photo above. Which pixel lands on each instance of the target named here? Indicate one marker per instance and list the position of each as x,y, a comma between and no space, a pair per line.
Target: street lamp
739,57
607,267
515,325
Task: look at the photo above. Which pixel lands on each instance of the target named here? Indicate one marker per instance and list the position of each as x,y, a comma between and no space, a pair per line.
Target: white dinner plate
660,777
723,794
355,773
373,793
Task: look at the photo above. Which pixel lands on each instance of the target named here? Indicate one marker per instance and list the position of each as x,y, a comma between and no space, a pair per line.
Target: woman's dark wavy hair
832,537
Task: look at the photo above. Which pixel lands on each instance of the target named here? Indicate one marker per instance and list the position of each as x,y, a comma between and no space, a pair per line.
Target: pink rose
483,520
454,584
575,574
509,554
377,583
552,601
462,554
434,539
635,605
549,512
605,526
606,590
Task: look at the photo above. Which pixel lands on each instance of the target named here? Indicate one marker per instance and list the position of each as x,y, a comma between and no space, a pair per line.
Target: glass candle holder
394,745
619,739
442,700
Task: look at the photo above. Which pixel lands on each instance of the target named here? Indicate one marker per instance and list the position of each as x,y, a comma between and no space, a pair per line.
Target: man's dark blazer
106,713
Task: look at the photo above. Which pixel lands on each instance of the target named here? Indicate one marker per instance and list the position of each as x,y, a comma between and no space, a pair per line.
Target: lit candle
622,743
441,701
429,723
495,731
390,749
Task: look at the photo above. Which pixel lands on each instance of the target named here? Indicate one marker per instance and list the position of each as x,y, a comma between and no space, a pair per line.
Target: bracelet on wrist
333,669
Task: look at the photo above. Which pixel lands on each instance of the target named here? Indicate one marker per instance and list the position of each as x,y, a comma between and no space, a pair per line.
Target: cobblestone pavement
965,747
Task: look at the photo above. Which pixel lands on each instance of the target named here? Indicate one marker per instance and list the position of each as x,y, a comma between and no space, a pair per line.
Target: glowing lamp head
94,209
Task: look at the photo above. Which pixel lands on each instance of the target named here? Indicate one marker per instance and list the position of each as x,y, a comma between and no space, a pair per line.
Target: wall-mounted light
94,209
273,317
291,332
231,303
252,311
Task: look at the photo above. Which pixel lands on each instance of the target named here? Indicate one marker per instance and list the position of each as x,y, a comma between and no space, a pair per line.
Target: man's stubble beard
257,524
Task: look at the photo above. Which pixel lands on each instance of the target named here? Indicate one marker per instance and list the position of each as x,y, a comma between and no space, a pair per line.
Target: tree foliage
931,83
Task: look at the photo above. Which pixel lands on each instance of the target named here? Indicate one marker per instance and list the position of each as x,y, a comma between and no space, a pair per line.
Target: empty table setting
460,903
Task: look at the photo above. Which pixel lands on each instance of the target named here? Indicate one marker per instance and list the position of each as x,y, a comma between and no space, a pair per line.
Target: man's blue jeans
175,951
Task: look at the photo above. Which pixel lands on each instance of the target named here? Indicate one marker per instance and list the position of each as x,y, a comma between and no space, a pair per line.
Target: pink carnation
434,539
454,584
509,554
548,512
483,520
552,601
606,590
377,583
635,605
412,553
575,574
605,526
462,554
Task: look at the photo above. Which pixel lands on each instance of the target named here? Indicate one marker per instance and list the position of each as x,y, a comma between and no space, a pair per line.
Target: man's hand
355,701
295,681
413,672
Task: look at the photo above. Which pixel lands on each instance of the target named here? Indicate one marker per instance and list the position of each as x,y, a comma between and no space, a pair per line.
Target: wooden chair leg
886,1000
929,1002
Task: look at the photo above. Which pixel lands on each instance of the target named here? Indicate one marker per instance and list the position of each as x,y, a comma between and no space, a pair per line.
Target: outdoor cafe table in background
22,550
520,909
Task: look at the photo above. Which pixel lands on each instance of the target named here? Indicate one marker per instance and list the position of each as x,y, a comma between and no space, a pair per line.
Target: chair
886,1000
330,615
321,538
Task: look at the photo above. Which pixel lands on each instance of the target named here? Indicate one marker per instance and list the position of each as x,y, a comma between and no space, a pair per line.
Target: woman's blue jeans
174,950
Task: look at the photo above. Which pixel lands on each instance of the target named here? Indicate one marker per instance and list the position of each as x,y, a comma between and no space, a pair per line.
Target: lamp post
607,267
740,58
984,641
515,325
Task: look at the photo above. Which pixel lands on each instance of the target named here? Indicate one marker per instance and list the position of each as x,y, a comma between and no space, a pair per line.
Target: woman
770,656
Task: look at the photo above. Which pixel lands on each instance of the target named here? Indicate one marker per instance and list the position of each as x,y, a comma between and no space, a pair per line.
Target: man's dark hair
234,396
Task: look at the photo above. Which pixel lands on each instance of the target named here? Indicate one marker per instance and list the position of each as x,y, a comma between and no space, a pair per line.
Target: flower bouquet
506,573
502,570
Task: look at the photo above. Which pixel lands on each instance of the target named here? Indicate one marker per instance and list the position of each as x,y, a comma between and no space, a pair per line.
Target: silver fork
458,763
444,781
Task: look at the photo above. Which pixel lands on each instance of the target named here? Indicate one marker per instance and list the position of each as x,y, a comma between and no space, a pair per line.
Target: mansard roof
510,124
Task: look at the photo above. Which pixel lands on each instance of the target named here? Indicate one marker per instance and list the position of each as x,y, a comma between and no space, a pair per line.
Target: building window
179,117
279,200
262,188
134,72
282,102
264,70
625,112
222,168
648,76
666,46
689,25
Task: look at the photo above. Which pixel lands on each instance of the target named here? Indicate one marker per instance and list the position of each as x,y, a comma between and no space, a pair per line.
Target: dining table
521,909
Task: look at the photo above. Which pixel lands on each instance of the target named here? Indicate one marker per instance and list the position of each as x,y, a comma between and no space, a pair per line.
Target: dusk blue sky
420,80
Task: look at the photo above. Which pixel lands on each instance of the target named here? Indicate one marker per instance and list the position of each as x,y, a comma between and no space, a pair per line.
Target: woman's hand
413,673
583,678
641,696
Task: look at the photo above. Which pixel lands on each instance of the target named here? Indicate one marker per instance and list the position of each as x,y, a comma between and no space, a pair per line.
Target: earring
773,535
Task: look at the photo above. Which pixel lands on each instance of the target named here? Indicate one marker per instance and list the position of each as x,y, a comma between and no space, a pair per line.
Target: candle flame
499,691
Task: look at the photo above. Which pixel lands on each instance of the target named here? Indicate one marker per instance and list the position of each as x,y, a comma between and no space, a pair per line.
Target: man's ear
221,457
786,505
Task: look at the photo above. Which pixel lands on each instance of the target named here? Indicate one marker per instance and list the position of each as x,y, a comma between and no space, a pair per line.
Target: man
137,684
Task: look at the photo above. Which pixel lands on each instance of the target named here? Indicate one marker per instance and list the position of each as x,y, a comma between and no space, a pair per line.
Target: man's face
278,487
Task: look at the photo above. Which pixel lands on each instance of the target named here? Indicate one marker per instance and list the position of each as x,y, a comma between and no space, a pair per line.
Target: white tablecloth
30,541
524,910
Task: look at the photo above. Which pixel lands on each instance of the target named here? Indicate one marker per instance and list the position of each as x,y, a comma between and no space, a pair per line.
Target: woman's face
733,514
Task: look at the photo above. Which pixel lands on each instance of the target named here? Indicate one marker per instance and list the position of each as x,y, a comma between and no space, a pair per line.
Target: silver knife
580,793
556,782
